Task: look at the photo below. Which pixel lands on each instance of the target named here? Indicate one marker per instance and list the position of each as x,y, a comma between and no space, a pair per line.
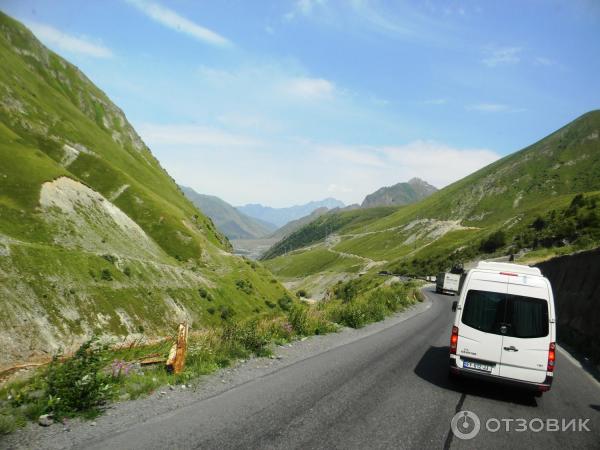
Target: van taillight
551,356
454,340
510,274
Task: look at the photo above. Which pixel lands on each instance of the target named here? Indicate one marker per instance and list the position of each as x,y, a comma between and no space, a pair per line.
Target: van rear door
482,315
525,344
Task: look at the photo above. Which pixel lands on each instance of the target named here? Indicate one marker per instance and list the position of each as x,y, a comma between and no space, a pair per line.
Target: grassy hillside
333,222
485,213
95,237
399,194
228,220
294,225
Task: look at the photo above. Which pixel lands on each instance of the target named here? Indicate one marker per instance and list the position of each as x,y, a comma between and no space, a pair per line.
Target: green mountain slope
95,237
231,222
506,196
399,194
294,225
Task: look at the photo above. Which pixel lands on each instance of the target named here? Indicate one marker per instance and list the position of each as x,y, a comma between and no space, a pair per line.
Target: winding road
388,389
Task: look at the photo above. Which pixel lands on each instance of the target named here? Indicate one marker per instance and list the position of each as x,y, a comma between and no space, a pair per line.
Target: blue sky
282,102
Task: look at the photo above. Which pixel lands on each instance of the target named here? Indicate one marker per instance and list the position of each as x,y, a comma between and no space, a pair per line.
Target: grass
327,224
303,263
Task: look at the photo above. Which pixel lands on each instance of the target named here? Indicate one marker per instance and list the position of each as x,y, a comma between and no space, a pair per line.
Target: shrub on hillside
285,302
493,242
247,336
77,384
298,318
245,286
106,275
227,312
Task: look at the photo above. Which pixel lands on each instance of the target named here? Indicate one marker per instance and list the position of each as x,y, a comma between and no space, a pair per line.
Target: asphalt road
387,390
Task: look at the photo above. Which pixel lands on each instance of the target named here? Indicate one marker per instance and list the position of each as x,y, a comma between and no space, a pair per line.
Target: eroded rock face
86,219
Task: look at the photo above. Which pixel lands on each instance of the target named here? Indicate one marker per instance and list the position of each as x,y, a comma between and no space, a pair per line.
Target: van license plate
477,366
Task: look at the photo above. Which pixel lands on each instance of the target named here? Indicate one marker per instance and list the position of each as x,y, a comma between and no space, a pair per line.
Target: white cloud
303,7
502,56
282,172
542,61
363,156
438,163
171,19
68,43
177,135
309,88
487,107
369,168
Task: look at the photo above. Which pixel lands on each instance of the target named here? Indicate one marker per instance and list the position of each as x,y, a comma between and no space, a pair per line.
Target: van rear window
506,314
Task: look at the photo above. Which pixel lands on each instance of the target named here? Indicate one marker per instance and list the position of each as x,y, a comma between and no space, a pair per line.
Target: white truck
447,283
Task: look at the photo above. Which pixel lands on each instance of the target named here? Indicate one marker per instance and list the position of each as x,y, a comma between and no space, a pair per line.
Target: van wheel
538,394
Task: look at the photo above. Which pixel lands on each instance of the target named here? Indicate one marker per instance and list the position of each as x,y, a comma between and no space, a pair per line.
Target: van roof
508,267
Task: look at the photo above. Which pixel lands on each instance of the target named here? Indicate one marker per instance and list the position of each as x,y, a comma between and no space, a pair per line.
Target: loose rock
45,420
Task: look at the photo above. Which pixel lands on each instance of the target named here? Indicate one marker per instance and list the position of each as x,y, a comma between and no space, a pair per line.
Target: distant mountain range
281,216
399,194
228,220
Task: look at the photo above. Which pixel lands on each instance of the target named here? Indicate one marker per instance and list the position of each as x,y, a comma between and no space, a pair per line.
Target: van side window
519,316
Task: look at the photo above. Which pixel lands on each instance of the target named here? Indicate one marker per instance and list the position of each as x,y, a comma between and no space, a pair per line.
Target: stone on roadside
45,420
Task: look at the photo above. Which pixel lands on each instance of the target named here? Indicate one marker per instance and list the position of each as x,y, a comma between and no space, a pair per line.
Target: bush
346,291
493,242
373,306
301,293
226,312
298,318
205,294
110,258
306,321
244,286
7,424
280,330
127,271
248,336
353,315
270,304
285,302
106,275
211,310
77,385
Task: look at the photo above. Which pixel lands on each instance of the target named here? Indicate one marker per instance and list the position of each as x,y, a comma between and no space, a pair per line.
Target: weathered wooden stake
176,359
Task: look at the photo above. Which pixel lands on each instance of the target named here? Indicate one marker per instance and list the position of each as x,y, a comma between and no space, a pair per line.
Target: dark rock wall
575,281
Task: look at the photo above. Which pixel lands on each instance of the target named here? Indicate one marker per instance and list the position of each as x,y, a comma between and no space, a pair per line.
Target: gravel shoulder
125,415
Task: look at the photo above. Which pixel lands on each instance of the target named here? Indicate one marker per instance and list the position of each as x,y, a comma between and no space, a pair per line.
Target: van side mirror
454,305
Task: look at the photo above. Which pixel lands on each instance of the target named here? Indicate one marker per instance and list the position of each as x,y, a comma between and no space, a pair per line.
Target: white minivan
505,326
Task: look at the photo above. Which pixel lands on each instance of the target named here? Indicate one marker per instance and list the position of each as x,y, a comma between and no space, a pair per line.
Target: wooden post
176,359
